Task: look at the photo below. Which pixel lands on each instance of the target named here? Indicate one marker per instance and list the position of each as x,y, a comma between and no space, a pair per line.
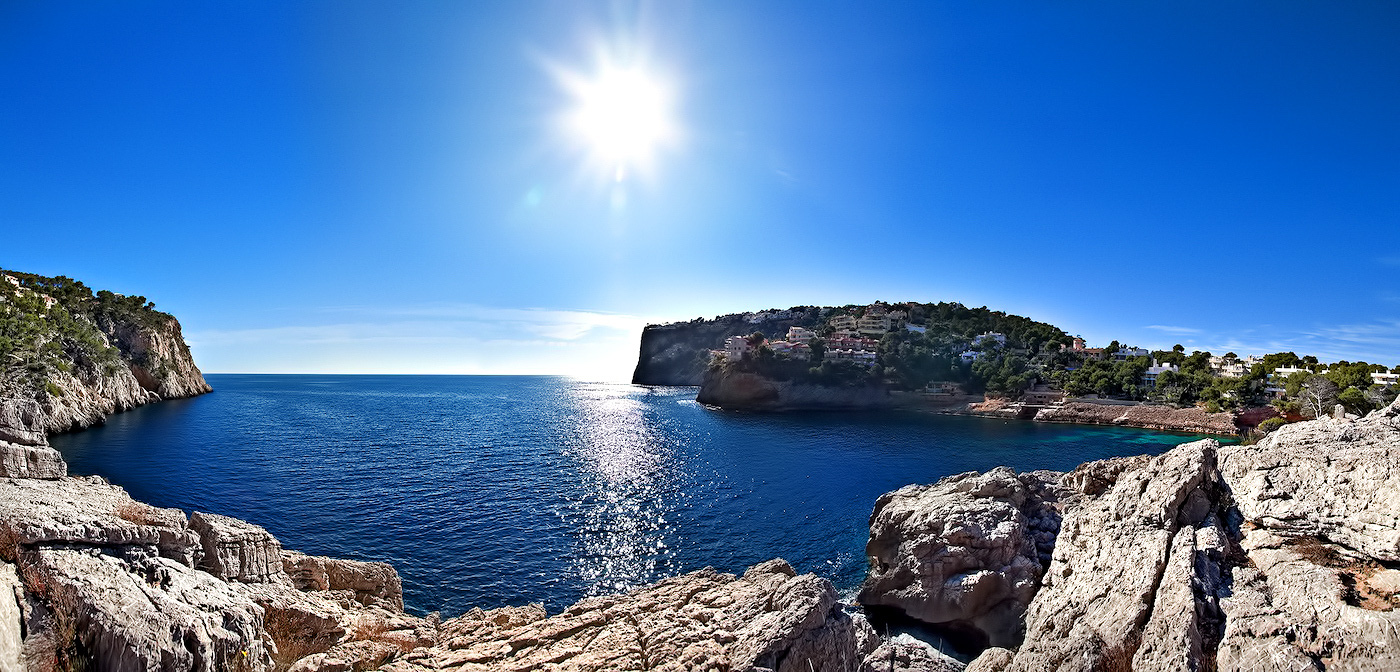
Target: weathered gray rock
130,612
994,659
236,550
11,620
1109,562
966,550
767,619
903,653
90,511
373,583
20,461
21,421
1335,479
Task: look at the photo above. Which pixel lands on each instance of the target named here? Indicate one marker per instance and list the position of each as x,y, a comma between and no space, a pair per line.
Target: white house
1149,377
991,337
800,335
1388,379
735,347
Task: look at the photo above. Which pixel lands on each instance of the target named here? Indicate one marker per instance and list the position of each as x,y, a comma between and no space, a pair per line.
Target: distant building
989,338
1042,395
1124,353
735,347
970,355
800,335
1387,379
865,357
843,322
1149,377
874,325
916,328
1228,367
943,388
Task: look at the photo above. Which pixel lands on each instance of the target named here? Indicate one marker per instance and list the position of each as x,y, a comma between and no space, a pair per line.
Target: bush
1271,424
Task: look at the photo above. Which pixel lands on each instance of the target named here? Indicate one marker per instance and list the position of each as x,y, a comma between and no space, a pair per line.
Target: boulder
768,619
964,551
236,550
903,653
20,461
1109,563
375,583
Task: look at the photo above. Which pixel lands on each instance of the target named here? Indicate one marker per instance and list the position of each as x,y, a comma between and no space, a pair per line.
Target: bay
494,490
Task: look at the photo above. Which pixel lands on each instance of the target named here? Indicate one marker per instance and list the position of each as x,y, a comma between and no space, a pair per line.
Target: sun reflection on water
629,487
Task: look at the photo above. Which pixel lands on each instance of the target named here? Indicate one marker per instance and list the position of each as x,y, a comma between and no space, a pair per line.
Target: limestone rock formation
371,583
750,391
19,461
1276,556
965,551
767,619
235,550
115,353
903,653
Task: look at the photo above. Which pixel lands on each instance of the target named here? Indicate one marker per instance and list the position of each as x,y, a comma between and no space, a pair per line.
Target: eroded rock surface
236,550
1276,556
767,619
965,551
20,461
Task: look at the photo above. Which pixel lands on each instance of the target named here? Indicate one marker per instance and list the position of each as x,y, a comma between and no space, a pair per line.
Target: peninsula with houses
950,358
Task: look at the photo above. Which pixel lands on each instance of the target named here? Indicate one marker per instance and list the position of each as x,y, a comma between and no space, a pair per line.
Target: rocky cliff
70,357
1276,556
678,353
749,391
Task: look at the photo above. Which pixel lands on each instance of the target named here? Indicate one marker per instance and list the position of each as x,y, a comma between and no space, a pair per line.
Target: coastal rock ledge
1284,555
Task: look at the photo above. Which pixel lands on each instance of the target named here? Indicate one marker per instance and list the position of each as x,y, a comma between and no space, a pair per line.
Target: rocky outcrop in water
749,391
1276,556
1163,418
75,357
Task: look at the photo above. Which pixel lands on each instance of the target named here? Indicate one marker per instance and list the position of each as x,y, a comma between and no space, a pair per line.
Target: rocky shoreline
1160,418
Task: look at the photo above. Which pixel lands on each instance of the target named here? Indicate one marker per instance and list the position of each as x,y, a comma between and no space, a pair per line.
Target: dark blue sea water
487,491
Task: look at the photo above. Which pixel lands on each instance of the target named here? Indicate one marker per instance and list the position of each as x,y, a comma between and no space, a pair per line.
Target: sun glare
623,116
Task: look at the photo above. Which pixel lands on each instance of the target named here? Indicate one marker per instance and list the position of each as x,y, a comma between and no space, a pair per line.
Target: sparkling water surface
495,490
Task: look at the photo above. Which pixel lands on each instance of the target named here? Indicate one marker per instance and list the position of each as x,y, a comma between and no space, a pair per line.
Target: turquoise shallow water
486,491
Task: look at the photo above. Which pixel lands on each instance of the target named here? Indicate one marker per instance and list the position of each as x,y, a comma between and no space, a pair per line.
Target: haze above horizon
518,187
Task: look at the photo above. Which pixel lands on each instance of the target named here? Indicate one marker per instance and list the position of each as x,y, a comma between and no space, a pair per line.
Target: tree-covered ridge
911,359
946,345
54,324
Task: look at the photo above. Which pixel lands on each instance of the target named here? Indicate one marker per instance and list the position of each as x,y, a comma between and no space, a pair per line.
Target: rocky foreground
1283,555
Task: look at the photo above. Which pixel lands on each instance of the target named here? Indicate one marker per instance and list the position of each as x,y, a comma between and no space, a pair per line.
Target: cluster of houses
855,339
852,339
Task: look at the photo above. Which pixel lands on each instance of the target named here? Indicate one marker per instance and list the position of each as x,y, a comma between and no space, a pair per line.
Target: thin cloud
1173,330
1390,261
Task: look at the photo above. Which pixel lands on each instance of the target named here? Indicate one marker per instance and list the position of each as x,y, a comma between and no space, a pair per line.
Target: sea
486,491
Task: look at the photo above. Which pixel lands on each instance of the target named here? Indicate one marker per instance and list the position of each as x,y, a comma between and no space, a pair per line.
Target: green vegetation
947,349
54,325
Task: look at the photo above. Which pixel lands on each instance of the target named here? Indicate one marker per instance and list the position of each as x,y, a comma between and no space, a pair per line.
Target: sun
623,116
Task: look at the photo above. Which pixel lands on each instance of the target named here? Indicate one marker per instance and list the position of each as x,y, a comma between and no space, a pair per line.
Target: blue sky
395,187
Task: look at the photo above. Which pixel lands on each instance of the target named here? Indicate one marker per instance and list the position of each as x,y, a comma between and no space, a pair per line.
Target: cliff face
677,354
748,391
1280,555
72,357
